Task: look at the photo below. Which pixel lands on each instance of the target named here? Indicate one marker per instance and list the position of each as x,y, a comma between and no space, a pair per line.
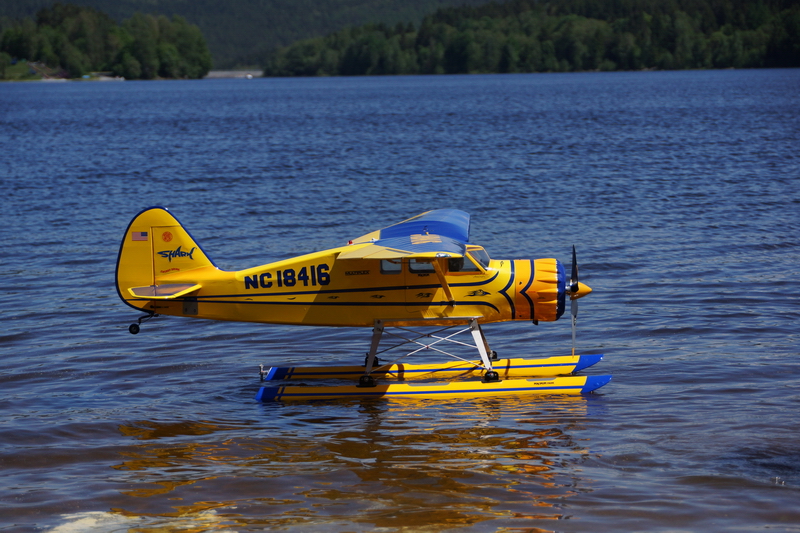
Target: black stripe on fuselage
442,303
357,290
524,290
504,291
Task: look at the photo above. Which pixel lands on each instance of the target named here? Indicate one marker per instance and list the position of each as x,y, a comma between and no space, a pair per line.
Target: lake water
681,191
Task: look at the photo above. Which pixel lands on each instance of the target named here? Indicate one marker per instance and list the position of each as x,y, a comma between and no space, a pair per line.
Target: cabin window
420,267
391,266
461,264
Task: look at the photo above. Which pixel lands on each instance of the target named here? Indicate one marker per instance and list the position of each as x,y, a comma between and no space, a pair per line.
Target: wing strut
437,267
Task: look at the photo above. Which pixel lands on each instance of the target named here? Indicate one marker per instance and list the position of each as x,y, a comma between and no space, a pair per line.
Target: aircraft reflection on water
434,464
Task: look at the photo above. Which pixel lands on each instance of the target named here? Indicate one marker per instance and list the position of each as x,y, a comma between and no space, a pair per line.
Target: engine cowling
540,289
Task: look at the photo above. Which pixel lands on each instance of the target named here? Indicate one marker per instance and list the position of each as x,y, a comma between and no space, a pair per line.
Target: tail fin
155,249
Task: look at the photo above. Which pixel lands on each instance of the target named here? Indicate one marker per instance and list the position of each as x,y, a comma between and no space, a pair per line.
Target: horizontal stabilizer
164,292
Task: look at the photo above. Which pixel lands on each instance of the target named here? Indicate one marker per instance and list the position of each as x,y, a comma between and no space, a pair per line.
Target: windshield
480,256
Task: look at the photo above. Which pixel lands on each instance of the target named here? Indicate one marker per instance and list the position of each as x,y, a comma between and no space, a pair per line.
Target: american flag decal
424,239
139,236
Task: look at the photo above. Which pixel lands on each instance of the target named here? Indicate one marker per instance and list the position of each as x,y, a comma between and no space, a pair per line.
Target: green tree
20,40
190,46
364,55
143,30
78,40
569,47
128,67
549,60
170,63
5,61
509,57
534,36
783,48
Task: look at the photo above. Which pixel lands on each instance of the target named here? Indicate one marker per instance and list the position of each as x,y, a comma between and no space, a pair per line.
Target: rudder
155,246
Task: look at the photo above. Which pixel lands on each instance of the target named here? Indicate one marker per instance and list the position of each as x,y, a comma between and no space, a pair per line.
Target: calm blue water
681,191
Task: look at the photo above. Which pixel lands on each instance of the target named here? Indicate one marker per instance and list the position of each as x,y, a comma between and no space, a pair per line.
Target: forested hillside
243,32
77,40
560,36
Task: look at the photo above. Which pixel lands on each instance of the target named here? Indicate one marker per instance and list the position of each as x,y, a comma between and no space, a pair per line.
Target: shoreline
35,71
220,74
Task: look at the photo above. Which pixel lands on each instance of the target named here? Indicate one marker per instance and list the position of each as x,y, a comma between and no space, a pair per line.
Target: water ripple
680,190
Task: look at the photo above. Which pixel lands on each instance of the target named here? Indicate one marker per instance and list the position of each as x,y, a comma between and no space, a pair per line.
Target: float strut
377,332
483,348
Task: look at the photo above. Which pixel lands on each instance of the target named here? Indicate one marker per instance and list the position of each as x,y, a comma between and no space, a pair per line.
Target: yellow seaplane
418,283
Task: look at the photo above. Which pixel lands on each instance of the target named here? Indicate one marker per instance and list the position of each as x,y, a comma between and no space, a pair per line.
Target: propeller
573,289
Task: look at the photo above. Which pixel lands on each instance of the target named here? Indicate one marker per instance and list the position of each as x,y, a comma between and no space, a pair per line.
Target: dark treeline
78,40
569,35
243,32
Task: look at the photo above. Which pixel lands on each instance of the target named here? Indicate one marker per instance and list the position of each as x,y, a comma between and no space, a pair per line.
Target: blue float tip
276,373
595,382
586,361
266,394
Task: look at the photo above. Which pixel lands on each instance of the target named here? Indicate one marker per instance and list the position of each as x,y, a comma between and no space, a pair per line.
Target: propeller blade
573,288
573,282
573,308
